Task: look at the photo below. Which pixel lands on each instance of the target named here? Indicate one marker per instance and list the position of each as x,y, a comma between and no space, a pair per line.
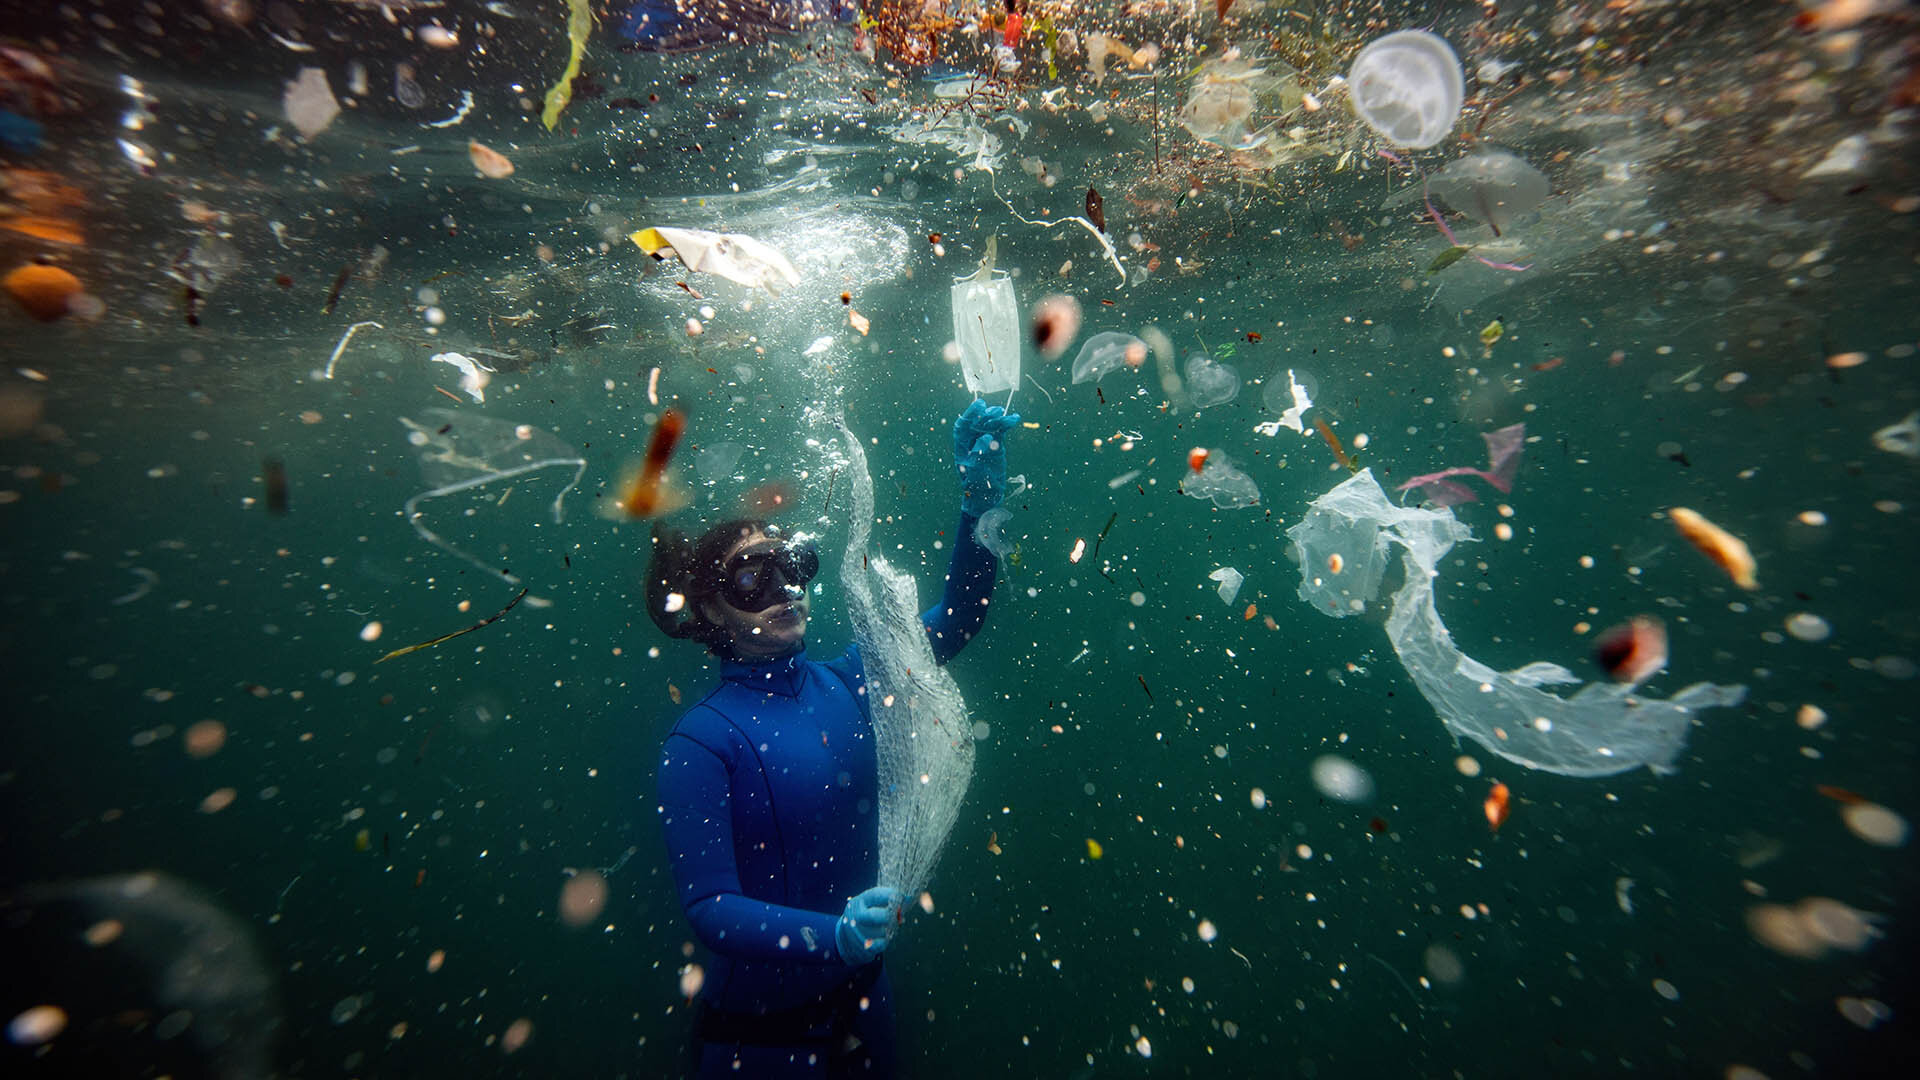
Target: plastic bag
1604,728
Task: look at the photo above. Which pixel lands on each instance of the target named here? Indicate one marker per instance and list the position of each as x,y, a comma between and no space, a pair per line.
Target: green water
1603,929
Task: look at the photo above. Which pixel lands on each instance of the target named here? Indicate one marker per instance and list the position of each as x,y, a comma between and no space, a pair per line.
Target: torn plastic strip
1106,244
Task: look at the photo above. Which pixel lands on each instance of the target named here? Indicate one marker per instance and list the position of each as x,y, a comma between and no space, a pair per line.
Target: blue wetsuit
769,802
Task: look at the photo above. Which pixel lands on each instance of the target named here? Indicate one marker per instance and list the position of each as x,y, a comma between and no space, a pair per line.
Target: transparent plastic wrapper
1604,728
922,736
1230,580
986,324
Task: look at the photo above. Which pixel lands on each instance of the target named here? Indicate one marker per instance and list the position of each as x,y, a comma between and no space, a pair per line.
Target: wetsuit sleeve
697,817
962,609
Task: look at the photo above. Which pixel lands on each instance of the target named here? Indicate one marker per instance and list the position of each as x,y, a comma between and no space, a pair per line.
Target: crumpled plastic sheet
1602,729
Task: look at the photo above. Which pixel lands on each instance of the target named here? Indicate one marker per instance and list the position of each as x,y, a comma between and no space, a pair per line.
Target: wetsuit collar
782,675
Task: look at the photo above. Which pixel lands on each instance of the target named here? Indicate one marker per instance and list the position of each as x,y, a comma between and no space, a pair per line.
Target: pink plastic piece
1504,448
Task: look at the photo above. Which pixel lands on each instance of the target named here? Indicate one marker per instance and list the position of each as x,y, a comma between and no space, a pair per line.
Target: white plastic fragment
1846,156
820,345
1602,729
309,102
729,255
1294,416
474,376
1902,438
1229,580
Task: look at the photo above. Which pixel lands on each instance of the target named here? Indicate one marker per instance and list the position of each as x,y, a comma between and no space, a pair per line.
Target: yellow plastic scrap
579,25
649,240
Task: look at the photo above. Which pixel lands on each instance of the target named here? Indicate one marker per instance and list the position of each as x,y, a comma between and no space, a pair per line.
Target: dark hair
691,569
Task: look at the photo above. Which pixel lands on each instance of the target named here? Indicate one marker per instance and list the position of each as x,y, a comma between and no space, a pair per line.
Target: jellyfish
1408,87
1492,185
1210,382
991,531
1104,352
1219,481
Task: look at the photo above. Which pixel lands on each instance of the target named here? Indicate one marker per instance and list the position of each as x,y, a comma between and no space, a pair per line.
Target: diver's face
773,631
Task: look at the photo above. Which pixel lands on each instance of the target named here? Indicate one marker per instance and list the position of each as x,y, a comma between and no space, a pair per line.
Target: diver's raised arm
980,458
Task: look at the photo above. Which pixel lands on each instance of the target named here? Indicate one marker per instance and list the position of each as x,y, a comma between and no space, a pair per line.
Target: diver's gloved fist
866,927
980,454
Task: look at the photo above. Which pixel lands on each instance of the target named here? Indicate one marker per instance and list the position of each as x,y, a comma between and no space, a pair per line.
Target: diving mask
772,573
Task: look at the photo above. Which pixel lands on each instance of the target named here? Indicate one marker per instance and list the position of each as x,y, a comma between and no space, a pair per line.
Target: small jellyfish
991,531
1210,382
1228,487
1408,86
1493,186
1286,386
1104,352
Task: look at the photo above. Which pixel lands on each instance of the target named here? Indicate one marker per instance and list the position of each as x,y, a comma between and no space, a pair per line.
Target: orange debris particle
44,291
1727,551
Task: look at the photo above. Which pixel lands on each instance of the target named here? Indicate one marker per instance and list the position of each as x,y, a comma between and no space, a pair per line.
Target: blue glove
866,928
980,453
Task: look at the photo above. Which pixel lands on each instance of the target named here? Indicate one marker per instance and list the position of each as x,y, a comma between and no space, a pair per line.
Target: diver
768,790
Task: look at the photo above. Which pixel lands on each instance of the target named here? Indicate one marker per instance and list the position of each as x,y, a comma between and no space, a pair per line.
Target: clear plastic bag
1604,728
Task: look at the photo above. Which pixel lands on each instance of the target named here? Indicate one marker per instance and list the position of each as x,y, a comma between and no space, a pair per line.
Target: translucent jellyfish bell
1227,487
1104,352
1408,87
1492,185
991,531
1278,392
1218,112
1210,382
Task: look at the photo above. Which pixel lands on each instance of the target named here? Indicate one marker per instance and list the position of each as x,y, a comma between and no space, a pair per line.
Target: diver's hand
867,926
980,455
